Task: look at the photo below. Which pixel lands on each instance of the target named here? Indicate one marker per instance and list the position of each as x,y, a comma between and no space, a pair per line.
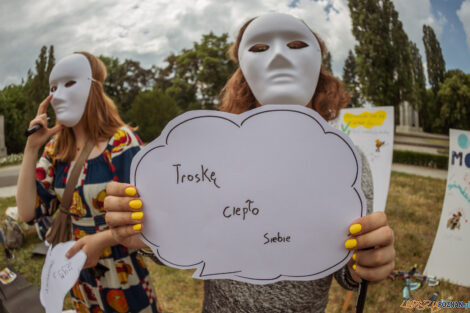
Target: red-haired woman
120,282
280,63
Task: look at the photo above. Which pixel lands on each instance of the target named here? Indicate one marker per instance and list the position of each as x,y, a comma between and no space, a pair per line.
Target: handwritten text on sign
259,197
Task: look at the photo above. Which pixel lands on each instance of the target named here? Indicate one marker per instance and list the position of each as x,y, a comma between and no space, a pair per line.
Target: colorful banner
371,129
451,250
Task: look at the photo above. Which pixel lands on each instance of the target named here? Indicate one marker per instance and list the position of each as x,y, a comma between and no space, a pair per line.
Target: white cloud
464,15
147,31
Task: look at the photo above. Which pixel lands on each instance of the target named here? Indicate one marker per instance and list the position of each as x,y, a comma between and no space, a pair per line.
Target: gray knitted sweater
224,296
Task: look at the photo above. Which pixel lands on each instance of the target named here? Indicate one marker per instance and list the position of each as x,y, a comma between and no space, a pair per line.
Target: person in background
114,278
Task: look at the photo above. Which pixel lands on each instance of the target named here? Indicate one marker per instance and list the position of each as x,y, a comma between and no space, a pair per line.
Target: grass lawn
413,208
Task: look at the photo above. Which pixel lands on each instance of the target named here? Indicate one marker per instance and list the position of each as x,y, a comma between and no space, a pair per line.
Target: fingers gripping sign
372,241
124,214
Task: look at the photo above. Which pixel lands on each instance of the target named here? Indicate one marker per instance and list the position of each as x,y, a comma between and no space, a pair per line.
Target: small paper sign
7,276
59,274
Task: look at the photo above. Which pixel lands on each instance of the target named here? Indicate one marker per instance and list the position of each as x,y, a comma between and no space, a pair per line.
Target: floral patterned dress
120,282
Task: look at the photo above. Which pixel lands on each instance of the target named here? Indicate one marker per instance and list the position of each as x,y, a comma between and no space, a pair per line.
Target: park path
9,176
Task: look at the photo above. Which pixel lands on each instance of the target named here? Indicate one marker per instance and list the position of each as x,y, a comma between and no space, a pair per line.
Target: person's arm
26,186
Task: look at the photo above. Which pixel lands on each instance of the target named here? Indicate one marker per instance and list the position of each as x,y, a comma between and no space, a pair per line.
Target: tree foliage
382,53
419,87
435,62
196,76
326,61
14,106
124,82
19,103
151,111
350,80
454,97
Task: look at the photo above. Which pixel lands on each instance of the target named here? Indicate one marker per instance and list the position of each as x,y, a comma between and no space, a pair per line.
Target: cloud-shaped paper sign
365,119
259,197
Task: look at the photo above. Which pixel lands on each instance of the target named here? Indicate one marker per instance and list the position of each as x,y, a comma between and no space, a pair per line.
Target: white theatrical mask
70,83
280,59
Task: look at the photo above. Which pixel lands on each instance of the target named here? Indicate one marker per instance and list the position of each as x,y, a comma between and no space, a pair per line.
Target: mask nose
279,58
58,96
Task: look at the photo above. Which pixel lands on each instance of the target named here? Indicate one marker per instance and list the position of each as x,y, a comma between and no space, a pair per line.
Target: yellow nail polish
350,243
355,228
354,257
137,226
135,204
137,215
354,266
131,191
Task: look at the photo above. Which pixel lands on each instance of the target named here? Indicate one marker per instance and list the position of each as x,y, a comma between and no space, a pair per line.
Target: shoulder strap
73,178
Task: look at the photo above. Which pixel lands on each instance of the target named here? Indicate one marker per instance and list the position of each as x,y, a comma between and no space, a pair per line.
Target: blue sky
148,31
453,39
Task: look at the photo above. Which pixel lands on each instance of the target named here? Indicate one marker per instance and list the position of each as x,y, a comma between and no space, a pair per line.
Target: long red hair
100,119
236,97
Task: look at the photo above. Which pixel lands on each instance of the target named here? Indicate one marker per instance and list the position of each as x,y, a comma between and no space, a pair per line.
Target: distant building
409,119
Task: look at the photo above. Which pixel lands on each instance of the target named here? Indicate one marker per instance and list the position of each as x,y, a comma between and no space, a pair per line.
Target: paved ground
8,176
420,170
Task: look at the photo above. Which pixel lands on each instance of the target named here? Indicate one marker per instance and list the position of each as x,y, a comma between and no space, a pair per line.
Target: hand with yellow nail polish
372,241
124,214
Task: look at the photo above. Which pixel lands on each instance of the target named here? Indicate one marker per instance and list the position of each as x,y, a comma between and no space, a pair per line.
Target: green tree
14,104
382,53
350,80
327,62
151,111
125,81
419,86
434,61
37,83
454,97
195,77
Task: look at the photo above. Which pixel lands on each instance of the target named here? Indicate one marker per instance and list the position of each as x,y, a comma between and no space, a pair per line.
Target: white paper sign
259,197
451,250
58,276
371,129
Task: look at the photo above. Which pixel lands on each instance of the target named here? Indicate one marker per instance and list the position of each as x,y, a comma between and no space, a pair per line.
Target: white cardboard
290,173
58,276
451,249
371,129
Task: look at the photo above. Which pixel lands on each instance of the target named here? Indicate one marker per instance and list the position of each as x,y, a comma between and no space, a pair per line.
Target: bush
421,159
11,159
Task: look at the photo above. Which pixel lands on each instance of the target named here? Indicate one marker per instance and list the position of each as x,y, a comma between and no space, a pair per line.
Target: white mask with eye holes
280,59
70,83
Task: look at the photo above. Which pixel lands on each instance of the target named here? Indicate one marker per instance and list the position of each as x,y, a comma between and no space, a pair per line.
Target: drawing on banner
244,201
378,144
371,130
455,220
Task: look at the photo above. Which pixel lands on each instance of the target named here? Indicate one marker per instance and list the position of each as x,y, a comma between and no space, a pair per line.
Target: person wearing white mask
280,63
114,278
